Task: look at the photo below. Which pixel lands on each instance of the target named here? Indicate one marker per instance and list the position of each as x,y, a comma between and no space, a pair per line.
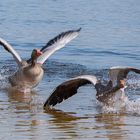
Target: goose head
121,83
35,54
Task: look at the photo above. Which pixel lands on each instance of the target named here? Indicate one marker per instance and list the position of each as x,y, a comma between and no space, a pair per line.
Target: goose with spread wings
30,72
115,85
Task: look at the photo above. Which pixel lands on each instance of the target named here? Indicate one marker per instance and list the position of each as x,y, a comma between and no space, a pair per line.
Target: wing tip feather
78,30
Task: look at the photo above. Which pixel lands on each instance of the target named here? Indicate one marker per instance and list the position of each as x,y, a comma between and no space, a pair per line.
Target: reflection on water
24,109
19,97
113,125
63,122
109,37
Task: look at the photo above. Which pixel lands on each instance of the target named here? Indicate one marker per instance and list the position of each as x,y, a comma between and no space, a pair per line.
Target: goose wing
119,73
68,89
10,49
57,43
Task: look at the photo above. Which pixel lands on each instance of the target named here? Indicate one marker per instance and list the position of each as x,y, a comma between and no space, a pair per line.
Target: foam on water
126,106
133,107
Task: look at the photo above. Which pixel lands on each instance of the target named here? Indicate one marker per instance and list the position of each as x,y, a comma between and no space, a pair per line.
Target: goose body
108,94
30,72
27,76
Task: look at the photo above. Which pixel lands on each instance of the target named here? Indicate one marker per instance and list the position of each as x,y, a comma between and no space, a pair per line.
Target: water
109,37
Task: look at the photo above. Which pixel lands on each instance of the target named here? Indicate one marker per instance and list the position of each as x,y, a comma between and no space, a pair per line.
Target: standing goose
30,72
104,94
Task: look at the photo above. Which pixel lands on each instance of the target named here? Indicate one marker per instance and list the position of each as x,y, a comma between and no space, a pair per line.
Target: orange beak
39,52
122,83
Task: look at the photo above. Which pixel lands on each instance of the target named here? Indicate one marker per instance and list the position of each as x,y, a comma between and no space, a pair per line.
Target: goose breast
27,77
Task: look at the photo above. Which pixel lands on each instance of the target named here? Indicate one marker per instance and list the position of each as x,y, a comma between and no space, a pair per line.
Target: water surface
110,36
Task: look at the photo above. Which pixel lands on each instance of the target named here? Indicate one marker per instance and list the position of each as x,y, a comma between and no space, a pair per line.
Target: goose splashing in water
30,72
111,95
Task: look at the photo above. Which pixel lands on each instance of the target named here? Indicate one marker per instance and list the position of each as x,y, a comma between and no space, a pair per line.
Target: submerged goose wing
69,88
119,73
10,49
57,43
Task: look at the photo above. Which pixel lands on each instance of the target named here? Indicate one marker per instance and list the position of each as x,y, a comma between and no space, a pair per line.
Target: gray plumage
30,72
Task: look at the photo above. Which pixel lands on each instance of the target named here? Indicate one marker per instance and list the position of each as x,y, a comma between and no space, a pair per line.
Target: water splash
133,107
4,74
116,104
126,106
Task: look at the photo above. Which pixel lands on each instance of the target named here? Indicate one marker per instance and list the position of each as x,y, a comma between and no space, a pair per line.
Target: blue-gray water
110,36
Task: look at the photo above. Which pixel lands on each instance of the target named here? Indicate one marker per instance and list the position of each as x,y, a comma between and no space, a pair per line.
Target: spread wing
120,73
57,43
10,49
68,89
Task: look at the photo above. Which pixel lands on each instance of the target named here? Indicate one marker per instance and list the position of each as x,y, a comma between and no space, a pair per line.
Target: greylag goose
30,72
104,94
